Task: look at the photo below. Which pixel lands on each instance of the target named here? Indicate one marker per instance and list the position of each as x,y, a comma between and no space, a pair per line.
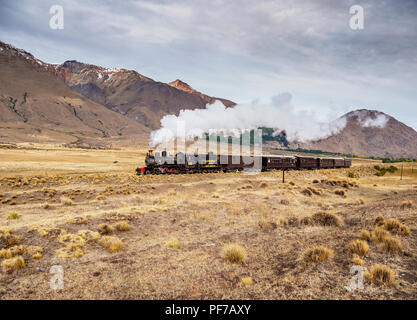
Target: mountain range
84,105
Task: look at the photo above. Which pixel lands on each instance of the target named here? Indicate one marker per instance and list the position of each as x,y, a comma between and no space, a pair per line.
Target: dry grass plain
201,236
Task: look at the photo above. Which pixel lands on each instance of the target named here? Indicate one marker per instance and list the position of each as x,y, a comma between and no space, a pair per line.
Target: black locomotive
162,163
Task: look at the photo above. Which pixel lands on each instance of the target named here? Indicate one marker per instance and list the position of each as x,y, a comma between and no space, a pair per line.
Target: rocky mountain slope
125,91
37,106
372,133
132,94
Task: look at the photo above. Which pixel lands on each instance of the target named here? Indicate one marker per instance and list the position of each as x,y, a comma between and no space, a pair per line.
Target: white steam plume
299,125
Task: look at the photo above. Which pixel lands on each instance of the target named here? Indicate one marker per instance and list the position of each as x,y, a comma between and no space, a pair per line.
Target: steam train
182,163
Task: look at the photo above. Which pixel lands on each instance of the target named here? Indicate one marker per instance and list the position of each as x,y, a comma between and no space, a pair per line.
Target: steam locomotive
181,163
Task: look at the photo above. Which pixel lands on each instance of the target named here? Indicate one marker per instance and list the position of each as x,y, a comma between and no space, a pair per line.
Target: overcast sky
241,50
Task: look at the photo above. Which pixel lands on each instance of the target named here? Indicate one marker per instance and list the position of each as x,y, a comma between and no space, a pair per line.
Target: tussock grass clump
359,247
317,254
73,245
13,216
78,220
340,192
111,244
5,254
246,281
66,201
356,260
13,263
307,192
267,225
284,202
233,252
70,239
89,235
122,226
173,243
18,250
324,218
379,234
7,238
263,184
392,245
105,229
404,230
381,275
406,204
389,243
361,201
34,250
365,235
395,226
351,175
315,191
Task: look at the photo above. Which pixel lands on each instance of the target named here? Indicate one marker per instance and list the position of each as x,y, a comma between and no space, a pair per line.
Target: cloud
240,50
375,119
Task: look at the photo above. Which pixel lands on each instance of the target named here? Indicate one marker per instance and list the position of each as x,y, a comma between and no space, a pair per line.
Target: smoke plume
300,126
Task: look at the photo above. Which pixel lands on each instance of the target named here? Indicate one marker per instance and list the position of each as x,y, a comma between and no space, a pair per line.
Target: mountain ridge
124,91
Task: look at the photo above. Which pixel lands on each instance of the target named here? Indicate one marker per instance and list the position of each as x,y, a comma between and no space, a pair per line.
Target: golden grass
267,225
359,247
173,243
111,244
323,218
389,243
78,220
379,234
13,263
317,254
356,260
122,226
105,229
233,216
8,238
246,281
66,201
73,245
5,254
89,235
263,184
406,204
365,235
392,245
18,250
380,275
34,250
395,226
234,253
